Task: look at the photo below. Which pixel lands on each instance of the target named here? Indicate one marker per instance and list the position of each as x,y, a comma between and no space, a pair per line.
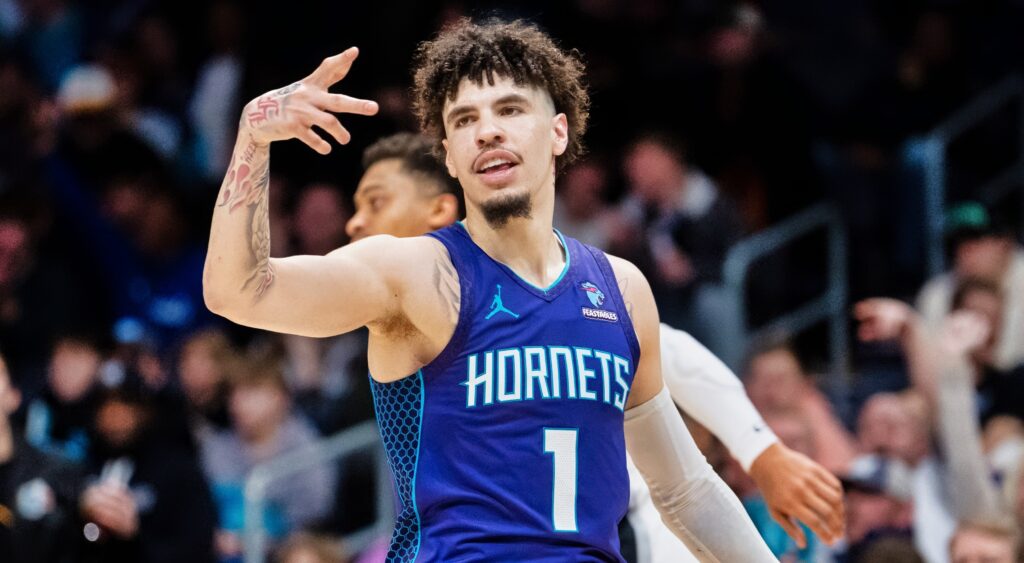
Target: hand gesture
292,111
796,488
882,319
111,506
964,332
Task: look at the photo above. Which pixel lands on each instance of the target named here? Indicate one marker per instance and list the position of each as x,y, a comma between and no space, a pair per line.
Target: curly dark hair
517,50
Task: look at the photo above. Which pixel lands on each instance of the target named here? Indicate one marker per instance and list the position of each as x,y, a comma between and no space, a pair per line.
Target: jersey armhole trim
454,346
625,322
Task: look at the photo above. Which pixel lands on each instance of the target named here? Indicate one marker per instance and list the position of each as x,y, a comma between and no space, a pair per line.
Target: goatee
499,211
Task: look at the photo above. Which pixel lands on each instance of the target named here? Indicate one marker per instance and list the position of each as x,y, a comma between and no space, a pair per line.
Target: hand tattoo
266,108
271,105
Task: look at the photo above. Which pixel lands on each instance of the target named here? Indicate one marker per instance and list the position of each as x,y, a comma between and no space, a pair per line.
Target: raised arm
693,501
308,295
884,319
976,498
794,486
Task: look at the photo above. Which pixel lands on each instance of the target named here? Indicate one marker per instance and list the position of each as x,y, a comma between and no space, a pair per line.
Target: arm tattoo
245,186
623,288
447,283
259,248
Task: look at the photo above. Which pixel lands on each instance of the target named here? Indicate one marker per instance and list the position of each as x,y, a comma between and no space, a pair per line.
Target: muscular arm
307,295
693,501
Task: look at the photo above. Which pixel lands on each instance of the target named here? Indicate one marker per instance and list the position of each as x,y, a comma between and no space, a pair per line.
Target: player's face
501,141
389,201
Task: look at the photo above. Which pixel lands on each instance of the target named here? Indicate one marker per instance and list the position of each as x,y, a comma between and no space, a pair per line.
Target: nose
355,226
489,132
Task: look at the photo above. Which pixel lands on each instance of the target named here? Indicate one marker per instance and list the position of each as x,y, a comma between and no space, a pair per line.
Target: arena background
856,148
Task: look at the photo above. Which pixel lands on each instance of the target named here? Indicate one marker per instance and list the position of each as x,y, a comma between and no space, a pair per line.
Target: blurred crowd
130,416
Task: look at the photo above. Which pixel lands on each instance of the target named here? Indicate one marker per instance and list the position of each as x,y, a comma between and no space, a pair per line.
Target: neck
528,246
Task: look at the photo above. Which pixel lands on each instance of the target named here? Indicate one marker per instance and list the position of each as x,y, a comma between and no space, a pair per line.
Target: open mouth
495,163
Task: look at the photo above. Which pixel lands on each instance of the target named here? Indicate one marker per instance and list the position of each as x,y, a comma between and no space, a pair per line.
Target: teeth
494,162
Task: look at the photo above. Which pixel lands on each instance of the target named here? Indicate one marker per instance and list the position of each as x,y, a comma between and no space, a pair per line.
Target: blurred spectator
60,420
307,548
216,94
148,502
205,363
38,299
139,236
895,426
96,141
38,492
580,208
21,110
324,372
319,219
872,515
263,428
975,544
681,230
985,250
777,384
890,550
53,38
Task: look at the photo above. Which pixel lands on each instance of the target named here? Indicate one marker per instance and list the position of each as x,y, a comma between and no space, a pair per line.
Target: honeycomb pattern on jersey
399,407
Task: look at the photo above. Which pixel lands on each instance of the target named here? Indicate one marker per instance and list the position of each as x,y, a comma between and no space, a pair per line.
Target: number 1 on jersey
561,442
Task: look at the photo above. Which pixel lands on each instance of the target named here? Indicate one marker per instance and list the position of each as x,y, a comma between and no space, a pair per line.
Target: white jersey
693,374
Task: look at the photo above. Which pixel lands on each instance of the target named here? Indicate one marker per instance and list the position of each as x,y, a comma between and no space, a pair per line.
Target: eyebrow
513,98
367,191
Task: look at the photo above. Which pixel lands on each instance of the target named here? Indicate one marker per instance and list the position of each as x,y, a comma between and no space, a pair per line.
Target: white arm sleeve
711,393
693,501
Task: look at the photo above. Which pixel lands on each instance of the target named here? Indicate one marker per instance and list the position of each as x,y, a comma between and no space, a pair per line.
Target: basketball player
506,435
405,191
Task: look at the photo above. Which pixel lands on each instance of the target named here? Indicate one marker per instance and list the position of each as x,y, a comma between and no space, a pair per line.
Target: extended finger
832,513
792,529
814,520
334,68
340,103
314,141
825,485
333,127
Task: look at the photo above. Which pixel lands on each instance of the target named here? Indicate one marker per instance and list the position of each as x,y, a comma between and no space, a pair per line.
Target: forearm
975,497
693,501
238,258
692,374
919,350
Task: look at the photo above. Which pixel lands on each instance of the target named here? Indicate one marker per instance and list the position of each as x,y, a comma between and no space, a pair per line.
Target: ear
448,162
444,210
559,134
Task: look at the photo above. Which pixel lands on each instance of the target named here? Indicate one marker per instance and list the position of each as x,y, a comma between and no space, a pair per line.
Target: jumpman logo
498,307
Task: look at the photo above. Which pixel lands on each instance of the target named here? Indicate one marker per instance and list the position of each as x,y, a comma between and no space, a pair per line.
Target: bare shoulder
420,274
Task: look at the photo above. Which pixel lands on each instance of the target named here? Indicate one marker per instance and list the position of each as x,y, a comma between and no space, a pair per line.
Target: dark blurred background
712,121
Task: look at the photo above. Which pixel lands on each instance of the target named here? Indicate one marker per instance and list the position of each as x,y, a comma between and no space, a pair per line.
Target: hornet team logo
596,297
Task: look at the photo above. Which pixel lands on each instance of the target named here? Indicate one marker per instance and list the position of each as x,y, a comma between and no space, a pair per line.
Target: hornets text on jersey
509,446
